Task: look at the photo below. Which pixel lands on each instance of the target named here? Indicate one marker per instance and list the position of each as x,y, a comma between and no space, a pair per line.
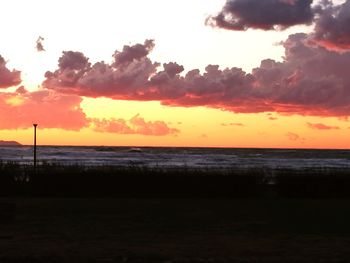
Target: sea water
180,157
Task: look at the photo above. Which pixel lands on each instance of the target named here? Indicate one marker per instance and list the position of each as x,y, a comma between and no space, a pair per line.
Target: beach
69,212
176,230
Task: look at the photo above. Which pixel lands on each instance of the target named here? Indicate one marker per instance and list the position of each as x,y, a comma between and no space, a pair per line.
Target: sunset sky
235,73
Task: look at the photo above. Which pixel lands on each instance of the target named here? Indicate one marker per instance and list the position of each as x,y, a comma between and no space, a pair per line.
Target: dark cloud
311,80
332,28
73,61
321,126
331,21
39,44
126,76
131,53
8,78
262,14
72,66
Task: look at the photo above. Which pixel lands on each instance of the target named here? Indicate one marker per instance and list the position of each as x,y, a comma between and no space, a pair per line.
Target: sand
176,230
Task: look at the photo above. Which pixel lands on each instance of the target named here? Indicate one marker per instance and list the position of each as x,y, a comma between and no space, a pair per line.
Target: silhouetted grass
77,181
56,180
314,183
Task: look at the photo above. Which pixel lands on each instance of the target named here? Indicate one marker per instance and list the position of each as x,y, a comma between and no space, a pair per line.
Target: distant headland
9,143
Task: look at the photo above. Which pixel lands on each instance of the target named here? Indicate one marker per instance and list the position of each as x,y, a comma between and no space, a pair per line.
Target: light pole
35,125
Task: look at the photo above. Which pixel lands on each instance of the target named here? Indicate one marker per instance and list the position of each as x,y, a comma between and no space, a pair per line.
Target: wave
181,157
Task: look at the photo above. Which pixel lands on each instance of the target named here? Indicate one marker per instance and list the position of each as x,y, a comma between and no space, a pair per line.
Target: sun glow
14,101
224,72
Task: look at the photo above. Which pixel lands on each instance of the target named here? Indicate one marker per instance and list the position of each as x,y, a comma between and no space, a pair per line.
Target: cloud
126,76
265,15
19,110
311,80
294,137
273,118
330,20
132,53
332,26
136,125
321,126
8,78
233,124
39,44
119,126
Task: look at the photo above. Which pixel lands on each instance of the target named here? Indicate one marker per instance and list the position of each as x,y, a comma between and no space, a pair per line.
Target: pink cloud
136,125
321,126
294,137
20,109
47,108
8,78
119,126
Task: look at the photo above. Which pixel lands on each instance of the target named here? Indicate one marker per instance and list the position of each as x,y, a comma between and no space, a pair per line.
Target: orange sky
197,126
190,77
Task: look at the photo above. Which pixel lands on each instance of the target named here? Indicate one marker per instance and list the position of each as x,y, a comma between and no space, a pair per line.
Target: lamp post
35,125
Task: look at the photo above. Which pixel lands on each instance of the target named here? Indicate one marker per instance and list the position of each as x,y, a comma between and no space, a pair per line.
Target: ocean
182,157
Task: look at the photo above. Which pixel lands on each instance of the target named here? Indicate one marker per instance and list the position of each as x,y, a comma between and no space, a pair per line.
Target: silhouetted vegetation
56,180
314,183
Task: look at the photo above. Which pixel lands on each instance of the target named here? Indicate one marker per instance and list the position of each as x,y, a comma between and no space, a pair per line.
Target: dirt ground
176,230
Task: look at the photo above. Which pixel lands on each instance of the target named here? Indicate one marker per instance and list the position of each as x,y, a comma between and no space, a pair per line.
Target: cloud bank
311,80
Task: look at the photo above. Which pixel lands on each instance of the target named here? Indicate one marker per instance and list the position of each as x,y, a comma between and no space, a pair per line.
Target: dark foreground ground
176,230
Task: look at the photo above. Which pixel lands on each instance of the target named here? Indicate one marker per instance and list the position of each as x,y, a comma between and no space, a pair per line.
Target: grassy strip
314,183
111,181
